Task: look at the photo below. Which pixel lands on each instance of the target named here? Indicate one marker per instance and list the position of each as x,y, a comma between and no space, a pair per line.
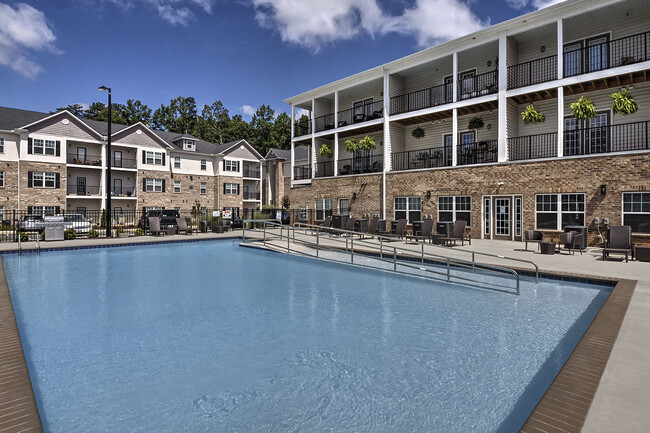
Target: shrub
69,234
623,102
531,115
286,202
24,237
583,109
93,234
325,151
139,232
119,230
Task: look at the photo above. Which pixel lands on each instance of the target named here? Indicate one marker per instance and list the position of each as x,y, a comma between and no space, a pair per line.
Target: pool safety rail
341,246
29,237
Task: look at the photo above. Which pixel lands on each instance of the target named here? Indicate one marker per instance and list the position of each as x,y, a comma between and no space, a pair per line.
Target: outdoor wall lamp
354,196
428,194
603,189
500,183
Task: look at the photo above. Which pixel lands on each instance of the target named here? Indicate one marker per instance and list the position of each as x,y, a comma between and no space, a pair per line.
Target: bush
286,202
583,109
119,230
260,216
69,234
139,232
531,115
24,237
93,234
623,102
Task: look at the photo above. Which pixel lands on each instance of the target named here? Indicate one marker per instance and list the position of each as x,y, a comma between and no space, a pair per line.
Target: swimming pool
208,336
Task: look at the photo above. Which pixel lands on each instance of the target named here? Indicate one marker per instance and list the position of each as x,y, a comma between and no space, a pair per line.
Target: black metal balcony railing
420,99
421,158
79,159
302,128
532,146
325,169
75,189
124,191
480,152
478,85
251,195
533,72
301,172
324,122
610,54
361,164
124,163
605,139
252,173
364,113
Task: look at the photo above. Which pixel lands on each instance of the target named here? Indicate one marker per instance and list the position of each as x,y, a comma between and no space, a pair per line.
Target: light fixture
428,193
500,183
489,63
354,196
489,126
109,232
543,48
603,189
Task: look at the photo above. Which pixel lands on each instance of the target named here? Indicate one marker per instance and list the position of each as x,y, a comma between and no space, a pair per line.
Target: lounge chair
154,226
570,240
533,236
181,226
372,226
400,230
458,234
620,241
425,234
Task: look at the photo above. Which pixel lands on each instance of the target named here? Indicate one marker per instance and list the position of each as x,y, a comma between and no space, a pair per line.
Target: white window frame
559,211
153,185
230,188
323,206
409,207
204,188
230,165
153,158
43,179
632,212
49,148
347,207
204,164
177,186
44,210
177,162
455,207
189,144
38,143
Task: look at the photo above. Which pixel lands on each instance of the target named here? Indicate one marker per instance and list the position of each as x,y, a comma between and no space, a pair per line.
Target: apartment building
451,142
51,163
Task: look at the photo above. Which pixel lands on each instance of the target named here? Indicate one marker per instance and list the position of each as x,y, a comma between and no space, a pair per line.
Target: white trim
142,125
559,211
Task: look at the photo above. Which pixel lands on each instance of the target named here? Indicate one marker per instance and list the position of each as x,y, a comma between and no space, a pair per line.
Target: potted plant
583,109
325,151
367,143
417,133
531,116
352,145
623,103
475,123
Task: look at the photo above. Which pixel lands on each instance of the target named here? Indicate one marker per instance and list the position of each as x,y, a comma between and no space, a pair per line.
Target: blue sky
242,52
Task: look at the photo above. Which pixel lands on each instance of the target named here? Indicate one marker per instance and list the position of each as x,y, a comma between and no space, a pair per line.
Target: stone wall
9,193
190,190
42,196
230,200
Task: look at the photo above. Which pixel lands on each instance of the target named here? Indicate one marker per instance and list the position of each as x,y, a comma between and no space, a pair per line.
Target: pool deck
620,401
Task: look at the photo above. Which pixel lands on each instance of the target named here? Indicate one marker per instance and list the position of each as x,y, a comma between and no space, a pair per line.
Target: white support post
560,49
336,153
454,137
336,109
293,121
387,144
293,159
560,122
260,183
455,76
313,116
502,132
103,178
313,157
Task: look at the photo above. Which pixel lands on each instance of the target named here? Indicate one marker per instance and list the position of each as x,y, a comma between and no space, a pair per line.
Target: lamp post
109,232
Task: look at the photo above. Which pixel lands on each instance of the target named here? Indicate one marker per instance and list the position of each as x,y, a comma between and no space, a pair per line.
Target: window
302,213
636,211
44,147
2,213
204,187
154,185
454,208
177,186
344,206
2,179
555,211
323,208
39,179
233,210
177,162
81,210
229,165
204,164
189,144
154,158
409,208
2,145
230,188
43,210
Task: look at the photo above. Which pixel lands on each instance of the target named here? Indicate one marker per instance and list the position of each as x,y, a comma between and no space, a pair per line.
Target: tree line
213,124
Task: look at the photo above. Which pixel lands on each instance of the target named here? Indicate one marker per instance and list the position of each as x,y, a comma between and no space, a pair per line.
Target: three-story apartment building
50,163
451,142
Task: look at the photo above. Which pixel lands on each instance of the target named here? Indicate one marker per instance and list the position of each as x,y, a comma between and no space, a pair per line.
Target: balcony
325,169
361,164
421,99
124,192
479,152
360,114
532,147
124,163
325,122
80,159
83,190
478,85
533,72
301,172
254,174
251,195
421,158
624,137
302,128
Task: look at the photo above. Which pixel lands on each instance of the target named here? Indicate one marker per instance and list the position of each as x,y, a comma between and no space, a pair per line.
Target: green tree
77,110
262,125
136,111
238,129
214,122
99,111
179,116
281,132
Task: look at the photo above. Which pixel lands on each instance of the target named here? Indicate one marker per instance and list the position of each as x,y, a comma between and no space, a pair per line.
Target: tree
77,110
238,129
214,122
281,132
136,111
179,116
99,111
262,125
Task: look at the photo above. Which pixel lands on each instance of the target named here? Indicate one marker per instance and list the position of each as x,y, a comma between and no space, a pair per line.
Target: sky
243,52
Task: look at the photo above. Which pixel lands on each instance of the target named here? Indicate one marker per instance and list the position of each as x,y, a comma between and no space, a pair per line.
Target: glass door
572,145
81,186
81,155
502,218
467,83
573,59
598,133
448,143
117,158
449,89
597,53
117,186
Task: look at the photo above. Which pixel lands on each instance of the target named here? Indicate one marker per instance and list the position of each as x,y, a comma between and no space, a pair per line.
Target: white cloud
173,11
248,110
313,24
537,4
24,30
299,112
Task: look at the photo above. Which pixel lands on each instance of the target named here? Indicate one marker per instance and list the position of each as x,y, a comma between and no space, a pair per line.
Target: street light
109,232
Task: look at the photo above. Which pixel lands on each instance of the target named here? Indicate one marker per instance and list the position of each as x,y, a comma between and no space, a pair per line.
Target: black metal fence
420,99
479,152
302,128
604,139
532,72
478,85
361,164
421,158
361,113
325,169
324,122
532,146
301,172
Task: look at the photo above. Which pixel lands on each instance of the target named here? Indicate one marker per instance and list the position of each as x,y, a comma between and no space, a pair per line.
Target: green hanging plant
623,102
583,109
531,116
325,151
475,123
351,145
418,133
367,143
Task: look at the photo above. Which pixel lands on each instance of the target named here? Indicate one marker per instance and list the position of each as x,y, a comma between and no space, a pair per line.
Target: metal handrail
404,253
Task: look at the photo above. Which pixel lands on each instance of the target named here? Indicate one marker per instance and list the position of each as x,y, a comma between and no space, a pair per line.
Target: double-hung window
229,165
44,147
231,188
154,185
177,162
204,188
555,211
177,186
204,164
409,208
154,158
636,211
455,208
43,179
43,210
323,208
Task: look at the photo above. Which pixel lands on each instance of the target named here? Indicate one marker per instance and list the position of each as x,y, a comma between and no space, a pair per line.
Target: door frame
513,216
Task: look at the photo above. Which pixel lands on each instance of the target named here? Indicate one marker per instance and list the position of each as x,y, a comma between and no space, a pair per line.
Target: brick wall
9,193
42,196
231,200
190,190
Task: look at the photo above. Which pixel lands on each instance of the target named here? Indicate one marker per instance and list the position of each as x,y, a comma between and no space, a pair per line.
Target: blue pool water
209,336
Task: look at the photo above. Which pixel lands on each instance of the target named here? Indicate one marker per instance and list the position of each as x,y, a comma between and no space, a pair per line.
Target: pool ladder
38,244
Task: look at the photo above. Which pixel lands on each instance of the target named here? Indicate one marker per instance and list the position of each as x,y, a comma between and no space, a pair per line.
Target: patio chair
620,241
181,225
570,240
400,230
533,236
425,234
154,226
326,224
372,226
458,234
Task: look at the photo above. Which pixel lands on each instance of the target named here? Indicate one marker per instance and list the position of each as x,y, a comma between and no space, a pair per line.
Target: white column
260,184
293,158
387,144
560,49
293,120
336,109
502,154
102,182
313,115
560,122
313,157
454,136
336,154
455,75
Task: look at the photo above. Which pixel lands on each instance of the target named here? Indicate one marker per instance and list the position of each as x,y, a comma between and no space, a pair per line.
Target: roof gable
234,149
139,134
64,124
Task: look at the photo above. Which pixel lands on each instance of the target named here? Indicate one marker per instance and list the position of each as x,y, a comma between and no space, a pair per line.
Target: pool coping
562,408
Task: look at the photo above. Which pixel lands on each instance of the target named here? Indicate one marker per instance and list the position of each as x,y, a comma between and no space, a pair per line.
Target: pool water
210,336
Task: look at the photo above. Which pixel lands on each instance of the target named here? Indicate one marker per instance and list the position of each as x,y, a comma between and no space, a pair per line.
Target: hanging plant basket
531,116
367,143
624,103
418,133
475,123
325,151
352,145
583,109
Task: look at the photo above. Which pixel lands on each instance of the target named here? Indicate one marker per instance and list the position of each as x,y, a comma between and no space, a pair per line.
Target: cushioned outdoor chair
154,226
533,236
620,241
457,234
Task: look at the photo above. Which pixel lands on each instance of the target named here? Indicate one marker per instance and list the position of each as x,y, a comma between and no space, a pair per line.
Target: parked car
31,223
167,218
77,222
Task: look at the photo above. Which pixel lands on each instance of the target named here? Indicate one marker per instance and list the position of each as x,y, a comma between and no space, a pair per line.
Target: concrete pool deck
620,402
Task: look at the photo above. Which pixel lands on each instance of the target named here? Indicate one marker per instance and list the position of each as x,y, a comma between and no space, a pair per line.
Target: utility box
381,226
361,226
444,228
581,230
393,226
340,221
54,232
417,228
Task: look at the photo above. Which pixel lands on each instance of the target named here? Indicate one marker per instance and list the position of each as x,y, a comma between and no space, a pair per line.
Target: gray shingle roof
12,118
301,152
